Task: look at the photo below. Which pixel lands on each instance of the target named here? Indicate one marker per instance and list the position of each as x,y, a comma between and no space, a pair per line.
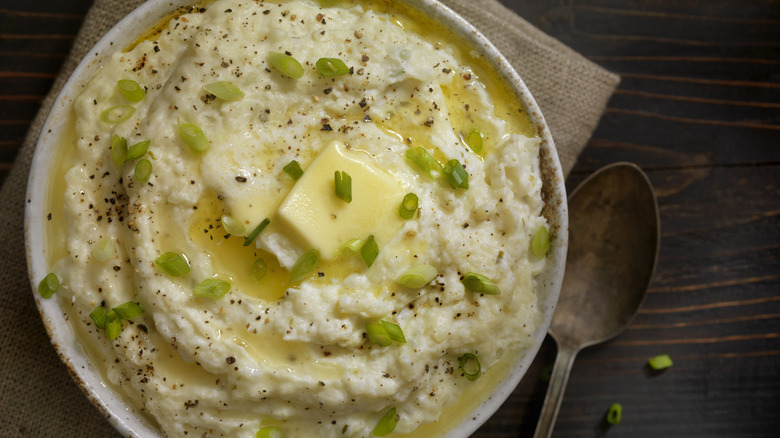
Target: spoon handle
552,402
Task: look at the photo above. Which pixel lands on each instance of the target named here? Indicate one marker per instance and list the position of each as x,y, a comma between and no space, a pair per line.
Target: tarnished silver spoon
614,236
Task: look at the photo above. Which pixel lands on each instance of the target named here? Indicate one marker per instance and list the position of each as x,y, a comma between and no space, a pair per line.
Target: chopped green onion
480,284
256,232
193,136
117,114
224,90
269,432
331,67
232,225
408,206
343,184
387,424
614,413
474,140
286,64
131,90
417,276
211,288
99,317
353,245
546,373
425,161
104,250
173,264
660,362
143,170
305,265
377,333
259,269
128,310
113,326
293,168
540,242
369,251
137,150
118,150
470,366
48,285
394,331
456,174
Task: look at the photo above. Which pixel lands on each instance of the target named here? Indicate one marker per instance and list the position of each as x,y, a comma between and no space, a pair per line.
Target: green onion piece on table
137,150
660,362
343,185
293,168
233,226
614,413
131,90
417,276
118,150
173,264
387,424
408,206
48,285
143,170
117,114
259,269
394,331
99,317
104,250
224,90
540,242
269,432
474,140
470,366
369,251
424,161
256,232
211,288
305,265
331,67
113,326
456,174
377,333
193,137
128,310
480,284
286,64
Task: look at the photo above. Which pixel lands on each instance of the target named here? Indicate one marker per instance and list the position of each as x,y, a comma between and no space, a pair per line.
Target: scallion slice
424,161
331,67
137,150
269,432
305,265
211,288
369,251
233,226
99,317
394,331
104,250
474,140
131,90
259,269
456,175
386,424
377,334
293,168
256,232
194,137
540,242
48,285
660,362
480,284
118,150
143,170
224,90
286,64
614,413
117,114
408,206
353,245
113,326
128,310
343,184
173,264
417,276
470,366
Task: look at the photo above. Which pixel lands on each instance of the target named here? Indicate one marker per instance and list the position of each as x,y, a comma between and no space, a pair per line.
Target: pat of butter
313,215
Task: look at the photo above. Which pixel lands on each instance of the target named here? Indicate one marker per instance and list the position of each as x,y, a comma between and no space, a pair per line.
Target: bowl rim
119,413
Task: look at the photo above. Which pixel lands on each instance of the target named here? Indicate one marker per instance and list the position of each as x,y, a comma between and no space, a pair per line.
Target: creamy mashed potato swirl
296,354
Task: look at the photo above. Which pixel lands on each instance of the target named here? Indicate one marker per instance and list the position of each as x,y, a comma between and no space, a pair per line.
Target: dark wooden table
699,110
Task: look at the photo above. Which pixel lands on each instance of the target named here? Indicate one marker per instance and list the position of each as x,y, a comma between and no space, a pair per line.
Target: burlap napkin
38,398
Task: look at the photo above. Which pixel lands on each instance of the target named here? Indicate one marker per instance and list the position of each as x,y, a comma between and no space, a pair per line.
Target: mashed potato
274,350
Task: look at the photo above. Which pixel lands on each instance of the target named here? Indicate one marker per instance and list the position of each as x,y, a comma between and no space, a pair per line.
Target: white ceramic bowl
119,413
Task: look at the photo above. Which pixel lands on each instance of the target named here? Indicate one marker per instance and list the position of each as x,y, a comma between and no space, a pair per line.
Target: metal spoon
614,236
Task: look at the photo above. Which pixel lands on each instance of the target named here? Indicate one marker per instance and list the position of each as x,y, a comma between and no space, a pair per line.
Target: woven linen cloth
38,398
